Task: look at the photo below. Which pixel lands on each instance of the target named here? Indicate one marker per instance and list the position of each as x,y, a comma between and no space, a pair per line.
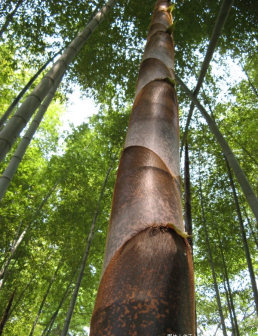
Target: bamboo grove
175,252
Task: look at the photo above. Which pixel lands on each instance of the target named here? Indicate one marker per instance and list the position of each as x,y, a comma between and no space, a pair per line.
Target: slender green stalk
11,131
85,255
246,248
188,207
250,82
25,288
11,169
6,313
221,20
17,241
211,260
232,306
24,90
44,298
240,175
254,234
54,316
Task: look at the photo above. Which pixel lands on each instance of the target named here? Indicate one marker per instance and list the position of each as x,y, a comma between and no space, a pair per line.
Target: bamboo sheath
240,175
147,280
19,120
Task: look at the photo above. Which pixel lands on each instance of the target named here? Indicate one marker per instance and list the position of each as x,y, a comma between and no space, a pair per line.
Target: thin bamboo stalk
217,30
85,255
211,259
44,298
8,112
188,207
245,243
19,120
13,165
232,306
18,241
6,314
48,328
240,175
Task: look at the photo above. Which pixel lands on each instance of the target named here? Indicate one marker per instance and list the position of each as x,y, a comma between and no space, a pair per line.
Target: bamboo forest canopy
48,209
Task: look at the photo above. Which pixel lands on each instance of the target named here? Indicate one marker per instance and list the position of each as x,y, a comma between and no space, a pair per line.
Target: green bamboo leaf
171,8
170,29
181,233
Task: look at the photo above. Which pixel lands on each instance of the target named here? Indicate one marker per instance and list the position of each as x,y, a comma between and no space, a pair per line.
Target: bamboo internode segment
147,285
147,289
146,195
153,131
19,120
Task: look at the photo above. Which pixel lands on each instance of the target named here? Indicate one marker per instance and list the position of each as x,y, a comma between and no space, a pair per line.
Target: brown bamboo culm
147,280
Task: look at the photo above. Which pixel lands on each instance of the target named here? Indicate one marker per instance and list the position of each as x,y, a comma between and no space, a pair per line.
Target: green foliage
55,192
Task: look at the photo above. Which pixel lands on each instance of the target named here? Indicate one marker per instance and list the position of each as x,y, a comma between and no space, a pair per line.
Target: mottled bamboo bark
147,280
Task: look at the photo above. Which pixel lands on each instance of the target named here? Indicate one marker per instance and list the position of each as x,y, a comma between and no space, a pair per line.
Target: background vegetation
54,195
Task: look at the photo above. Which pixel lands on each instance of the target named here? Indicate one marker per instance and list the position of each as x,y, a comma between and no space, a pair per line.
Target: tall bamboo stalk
11,131
17,241
254,234
25,288
44,298
13,165
240,175
48,328
8,112
188,207
217,30
232,306
229,305
245,243
86,253
147,278
211,260
6,314
250,82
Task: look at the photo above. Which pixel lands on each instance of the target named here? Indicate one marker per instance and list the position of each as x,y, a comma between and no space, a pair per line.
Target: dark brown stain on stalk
146,287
